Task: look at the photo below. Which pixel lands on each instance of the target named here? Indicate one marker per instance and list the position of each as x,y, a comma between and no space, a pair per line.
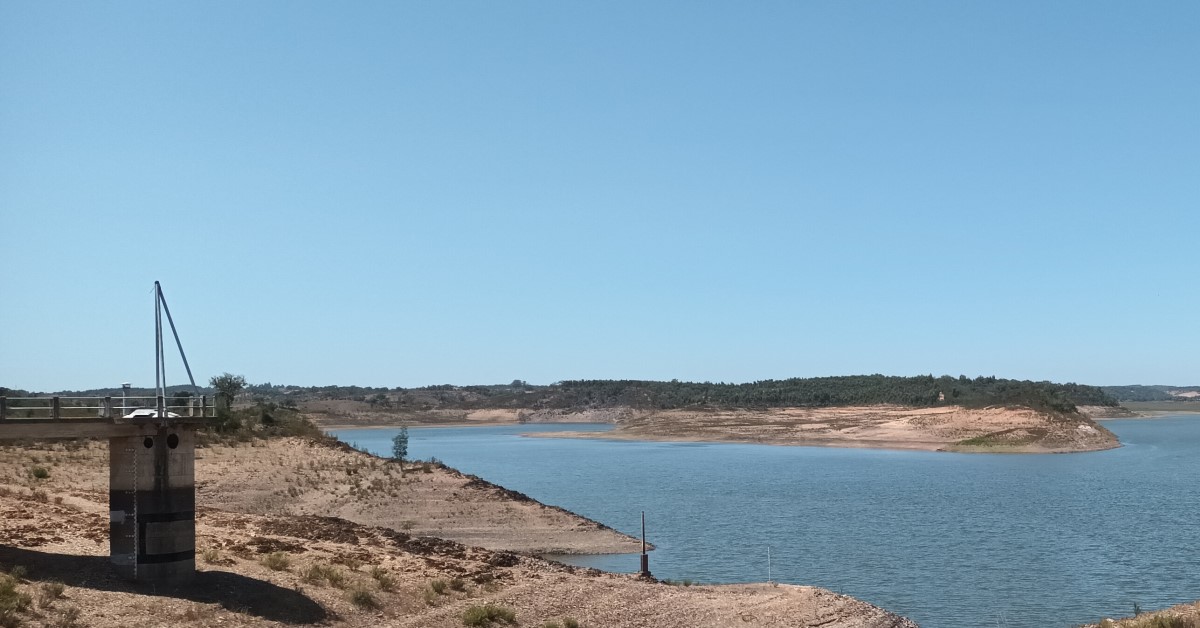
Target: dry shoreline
320,508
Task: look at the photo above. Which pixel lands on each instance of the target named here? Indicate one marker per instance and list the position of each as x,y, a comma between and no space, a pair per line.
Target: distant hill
1153,393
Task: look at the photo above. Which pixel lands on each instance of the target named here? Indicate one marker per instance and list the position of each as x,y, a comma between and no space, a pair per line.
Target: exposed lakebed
945,539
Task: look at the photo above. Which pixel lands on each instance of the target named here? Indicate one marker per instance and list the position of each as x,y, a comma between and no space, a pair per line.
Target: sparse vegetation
385,581
318,572
13,601
457,584
438,586
196,612
66,618
277,561
1153,621
40,473
362,598
487,614
1182,616
211,555
48,593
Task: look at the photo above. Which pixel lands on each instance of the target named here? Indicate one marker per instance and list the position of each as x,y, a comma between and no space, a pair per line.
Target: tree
181,402
228,386
400,446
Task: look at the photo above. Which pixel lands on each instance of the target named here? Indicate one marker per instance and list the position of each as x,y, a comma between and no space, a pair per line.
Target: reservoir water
948,540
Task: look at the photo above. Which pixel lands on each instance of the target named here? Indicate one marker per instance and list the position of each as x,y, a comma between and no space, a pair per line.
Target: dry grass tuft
48,593
362,598
277,561
385,581
487,614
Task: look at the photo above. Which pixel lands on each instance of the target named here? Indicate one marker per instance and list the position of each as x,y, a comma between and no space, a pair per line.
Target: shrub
211,555
48,592
362,598
317,572
385,581
457,584
12,601
276,561
486,614
312,574
438,586
570,622
40,473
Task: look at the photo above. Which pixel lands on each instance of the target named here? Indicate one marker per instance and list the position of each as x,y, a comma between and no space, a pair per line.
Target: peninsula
983,414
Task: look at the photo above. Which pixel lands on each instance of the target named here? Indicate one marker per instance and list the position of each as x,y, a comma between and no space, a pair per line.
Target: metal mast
160,357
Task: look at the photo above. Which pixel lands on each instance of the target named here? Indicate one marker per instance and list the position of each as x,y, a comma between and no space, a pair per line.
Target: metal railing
66,408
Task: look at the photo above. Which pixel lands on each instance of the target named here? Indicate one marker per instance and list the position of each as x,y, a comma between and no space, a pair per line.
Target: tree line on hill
854,390
1149,393
918,391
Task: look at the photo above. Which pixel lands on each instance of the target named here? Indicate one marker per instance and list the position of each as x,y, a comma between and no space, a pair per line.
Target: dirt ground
270,554
951,428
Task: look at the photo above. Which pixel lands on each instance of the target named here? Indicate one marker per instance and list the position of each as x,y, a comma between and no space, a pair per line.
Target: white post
769,564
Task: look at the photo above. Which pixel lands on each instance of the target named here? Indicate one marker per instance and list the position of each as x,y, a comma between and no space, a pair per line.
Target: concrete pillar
152,504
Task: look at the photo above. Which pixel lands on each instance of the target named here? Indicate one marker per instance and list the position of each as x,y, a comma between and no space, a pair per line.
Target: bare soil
294,499
341,413
948,428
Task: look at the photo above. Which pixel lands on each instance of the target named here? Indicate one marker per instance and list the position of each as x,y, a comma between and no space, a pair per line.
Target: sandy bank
951,428
294,476
342,414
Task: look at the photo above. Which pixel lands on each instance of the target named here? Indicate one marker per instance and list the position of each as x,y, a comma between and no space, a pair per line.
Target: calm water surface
949,540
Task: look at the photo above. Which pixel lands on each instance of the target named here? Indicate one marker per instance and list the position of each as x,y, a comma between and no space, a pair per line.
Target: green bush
40,473
486,614
438,586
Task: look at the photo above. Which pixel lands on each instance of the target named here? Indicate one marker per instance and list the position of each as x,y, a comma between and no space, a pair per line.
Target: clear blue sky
413,193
